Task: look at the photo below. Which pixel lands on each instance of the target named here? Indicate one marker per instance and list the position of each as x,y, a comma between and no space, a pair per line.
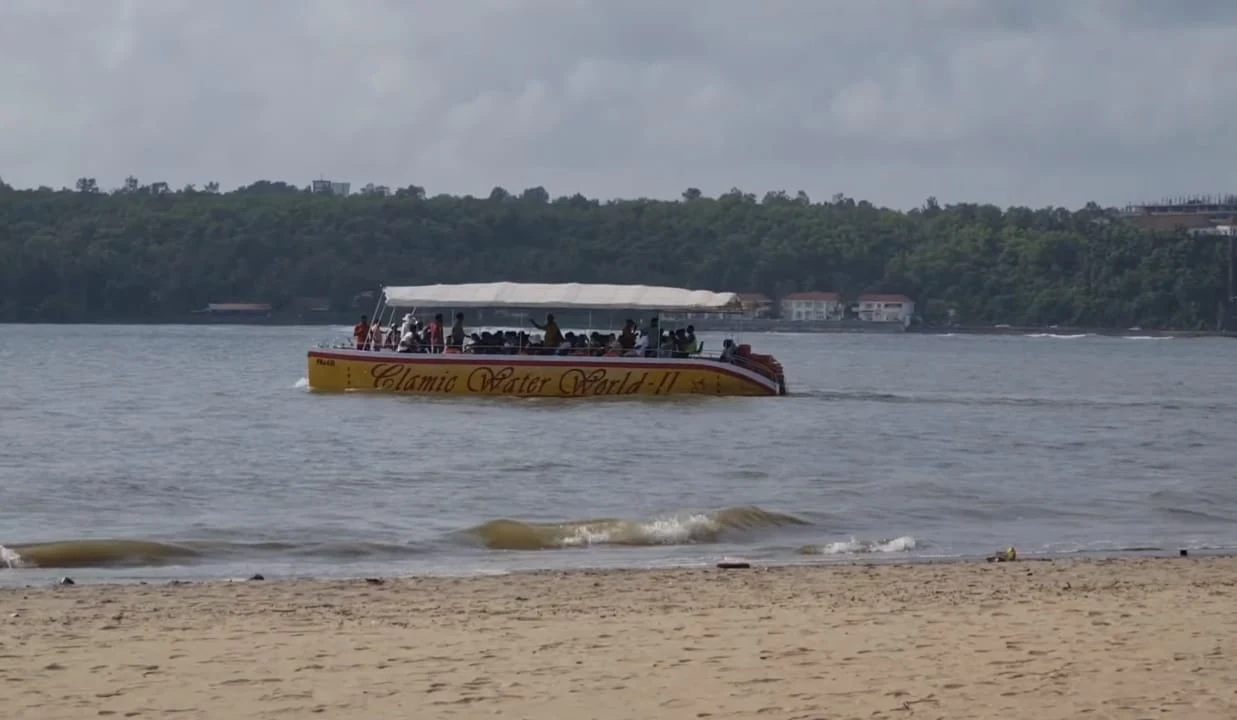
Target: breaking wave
503,534
676,529
906,543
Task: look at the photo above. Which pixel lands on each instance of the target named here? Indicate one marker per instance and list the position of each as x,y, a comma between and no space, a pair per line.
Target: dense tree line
147,251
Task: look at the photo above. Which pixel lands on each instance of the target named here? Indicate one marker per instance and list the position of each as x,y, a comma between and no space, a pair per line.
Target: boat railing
529,351
761,364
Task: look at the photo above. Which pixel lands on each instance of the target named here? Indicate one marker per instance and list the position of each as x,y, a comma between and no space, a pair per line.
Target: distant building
372,189
1184,213
1220,230
812,306
755,305
885,308
330,187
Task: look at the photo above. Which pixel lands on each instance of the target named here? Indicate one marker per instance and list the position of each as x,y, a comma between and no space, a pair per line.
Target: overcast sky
1032,102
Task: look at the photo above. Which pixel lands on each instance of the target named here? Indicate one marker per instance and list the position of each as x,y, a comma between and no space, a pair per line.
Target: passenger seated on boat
667,346
598,344
627,338
410,342
455,343
486,343
409,323
728,351
692,346
360,333
390,339
678,342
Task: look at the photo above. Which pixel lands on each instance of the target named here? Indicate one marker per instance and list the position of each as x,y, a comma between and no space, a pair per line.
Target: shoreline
712,566
1021,640
803,559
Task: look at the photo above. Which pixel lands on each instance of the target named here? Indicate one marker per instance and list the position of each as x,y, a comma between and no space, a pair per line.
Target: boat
545,372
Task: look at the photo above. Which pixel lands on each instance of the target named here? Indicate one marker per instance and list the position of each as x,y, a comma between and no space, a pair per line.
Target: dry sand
1117,639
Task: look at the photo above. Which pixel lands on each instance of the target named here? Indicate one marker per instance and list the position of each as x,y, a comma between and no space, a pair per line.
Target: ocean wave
94,553
1056,336
675,529
854,546
503,534
112,552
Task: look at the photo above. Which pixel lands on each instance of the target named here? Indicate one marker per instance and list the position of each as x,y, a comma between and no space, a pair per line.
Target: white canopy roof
563,296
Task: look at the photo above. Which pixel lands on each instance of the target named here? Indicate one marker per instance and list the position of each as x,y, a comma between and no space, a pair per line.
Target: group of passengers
414,337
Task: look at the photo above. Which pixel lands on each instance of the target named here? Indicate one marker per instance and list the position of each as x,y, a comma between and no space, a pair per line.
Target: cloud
985,100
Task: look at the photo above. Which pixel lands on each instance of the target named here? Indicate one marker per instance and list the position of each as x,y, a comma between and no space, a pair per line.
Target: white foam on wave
1056,336
855,546
672,530
1146,337
10,559
301,384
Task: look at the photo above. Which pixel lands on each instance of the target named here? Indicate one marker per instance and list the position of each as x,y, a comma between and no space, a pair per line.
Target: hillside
145,252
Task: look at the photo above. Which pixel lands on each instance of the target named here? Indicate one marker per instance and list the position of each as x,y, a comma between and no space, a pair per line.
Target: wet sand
1132,639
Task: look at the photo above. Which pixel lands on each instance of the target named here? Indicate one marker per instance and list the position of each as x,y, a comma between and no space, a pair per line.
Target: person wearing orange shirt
360,333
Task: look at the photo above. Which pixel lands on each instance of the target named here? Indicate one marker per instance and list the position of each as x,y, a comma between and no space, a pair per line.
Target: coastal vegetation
151,252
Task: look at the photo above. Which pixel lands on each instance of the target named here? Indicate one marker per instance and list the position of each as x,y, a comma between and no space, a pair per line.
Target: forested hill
146,252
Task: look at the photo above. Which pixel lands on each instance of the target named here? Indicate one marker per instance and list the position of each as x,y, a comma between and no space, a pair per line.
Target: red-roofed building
807,306
876,307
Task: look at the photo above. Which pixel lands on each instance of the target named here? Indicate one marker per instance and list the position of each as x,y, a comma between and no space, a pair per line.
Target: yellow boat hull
530,375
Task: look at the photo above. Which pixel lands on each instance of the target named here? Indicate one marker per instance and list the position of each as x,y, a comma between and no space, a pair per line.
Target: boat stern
766,365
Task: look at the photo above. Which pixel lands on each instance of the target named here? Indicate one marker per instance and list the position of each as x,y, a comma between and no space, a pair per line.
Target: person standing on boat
436,334
360,333
653,344
456,343
553,336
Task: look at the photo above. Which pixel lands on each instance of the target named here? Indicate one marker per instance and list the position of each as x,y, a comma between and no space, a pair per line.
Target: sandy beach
1106,639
